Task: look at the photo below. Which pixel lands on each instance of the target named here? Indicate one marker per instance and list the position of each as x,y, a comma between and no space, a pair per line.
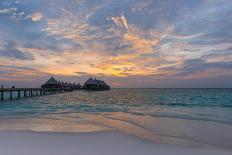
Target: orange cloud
37,16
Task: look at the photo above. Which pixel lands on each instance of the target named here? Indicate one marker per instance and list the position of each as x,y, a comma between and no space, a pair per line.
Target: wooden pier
30,92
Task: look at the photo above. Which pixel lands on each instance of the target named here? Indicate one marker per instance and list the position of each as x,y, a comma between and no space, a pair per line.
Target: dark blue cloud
11,52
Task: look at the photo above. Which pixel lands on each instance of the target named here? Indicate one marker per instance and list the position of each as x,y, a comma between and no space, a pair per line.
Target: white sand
181,132
94,143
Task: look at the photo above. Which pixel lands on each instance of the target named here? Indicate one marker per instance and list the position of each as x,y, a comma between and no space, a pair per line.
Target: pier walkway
17,93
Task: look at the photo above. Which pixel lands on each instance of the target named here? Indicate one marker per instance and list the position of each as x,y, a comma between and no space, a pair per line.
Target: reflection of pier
29,92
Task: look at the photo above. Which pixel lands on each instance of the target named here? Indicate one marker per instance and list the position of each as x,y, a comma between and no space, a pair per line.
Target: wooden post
11,95
25,93
2,97
19,94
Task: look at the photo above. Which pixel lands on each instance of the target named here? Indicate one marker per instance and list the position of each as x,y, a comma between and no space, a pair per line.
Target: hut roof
103,83
95,81
52,81
91,81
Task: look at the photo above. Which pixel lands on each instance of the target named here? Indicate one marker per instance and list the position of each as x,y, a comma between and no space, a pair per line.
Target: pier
52,86
29,92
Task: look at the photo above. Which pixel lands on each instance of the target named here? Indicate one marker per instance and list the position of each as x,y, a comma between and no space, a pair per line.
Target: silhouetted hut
78,86
95,84
52,83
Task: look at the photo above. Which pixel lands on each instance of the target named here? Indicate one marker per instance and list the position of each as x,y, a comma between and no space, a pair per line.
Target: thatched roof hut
52,83
95,84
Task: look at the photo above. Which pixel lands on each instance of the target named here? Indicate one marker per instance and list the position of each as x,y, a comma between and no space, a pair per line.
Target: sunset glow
161,43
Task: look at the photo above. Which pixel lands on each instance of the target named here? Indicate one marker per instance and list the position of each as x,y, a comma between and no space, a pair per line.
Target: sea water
193,116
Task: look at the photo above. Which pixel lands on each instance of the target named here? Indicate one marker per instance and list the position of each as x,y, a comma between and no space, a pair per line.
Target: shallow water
194,104
181,116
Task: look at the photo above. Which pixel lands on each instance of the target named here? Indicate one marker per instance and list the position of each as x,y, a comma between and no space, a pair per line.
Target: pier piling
2,97
11,95
19,94
25,93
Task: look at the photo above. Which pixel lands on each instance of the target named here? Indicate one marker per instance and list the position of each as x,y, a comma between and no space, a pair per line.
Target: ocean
196,117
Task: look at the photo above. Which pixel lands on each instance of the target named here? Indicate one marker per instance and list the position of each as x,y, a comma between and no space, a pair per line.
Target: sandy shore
93,143
181,132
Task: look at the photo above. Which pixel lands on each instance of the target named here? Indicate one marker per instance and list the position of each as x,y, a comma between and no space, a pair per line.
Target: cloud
139,40
134,46
19,73
208,73
18,14
69,26
14,53
147,42
13,13
8,10
37,16
9,50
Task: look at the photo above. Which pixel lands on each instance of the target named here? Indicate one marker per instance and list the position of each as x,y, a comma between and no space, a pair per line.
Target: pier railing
29,92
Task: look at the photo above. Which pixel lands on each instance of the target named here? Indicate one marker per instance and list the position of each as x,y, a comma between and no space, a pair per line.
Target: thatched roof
52,81
91,81
95,81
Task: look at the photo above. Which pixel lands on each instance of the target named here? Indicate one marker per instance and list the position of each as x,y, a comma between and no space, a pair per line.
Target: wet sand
94,143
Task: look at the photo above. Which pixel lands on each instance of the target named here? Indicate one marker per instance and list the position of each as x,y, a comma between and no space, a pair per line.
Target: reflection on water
196,117
194,104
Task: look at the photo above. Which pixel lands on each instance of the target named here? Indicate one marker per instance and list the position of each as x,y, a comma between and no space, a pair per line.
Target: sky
127,43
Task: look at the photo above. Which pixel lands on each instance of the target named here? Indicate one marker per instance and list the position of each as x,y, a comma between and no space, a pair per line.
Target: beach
108,123
112,133
99,143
